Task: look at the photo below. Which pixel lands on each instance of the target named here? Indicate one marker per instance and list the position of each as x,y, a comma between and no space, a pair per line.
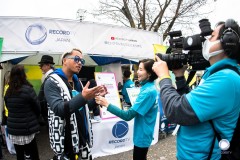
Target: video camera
187,50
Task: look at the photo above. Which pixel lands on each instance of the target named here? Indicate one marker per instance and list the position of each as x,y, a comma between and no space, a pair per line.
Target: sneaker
27,157
54,158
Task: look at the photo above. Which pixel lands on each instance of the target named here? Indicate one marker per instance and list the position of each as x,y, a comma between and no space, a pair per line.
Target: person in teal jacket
144,110
215,99
128,83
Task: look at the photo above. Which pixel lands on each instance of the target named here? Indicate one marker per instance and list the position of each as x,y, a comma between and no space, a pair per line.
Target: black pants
140,153
30,149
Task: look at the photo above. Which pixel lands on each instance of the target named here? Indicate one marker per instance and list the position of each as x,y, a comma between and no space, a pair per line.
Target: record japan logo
36,34
120,129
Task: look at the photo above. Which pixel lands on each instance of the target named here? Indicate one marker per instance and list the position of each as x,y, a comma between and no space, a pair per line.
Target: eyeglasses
76,59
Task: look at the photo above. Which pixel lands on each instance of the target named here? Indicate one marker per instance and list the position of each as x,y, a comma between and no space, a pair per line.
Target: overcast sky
67,9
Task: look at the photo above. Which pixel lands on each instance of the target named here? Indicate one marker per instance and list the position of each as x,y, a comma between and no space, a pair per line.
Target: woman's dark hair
148,63
18,78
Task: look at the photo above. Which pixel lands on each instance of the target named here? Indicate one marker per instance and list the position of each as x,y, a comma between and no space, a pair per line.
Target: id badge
74,92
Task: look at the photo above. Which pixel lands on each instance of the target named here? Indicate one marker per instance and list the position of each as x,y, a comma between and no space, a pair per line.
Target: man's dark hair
234,52
127,73
70,53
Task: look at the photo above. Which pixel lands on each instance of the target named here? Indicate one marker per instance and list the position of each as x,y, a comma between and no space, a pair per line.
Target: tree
152,15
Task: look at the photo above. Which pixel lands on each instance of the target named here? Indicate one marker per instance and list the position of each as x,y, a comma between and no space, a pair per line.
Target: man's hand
180,72
89,93
160,68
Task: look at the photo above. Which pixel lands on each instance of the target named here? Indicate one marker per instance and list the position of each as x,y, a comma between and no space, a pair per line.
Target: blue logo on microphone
36,34
120,129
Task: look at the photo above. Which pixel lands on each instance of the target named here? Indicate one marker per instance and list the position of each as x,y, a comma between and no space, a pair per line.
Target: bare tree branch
127,13
153,15
174,18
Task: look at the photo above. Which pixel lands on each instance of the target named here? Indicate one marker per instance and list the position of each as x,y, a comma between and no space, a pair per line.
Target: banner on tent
57,36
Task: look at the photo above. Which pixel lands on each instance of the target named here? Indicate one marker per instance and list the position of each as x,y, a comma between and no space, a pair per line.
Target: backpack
233,152
43,119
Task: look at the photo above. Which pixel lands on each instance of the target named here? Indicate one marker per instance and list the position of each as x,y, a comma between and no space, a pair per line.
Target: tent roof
31,59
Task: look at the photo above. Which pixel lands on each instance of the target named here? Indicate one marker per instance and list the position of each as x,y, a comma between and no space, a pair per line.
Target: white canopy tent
26,39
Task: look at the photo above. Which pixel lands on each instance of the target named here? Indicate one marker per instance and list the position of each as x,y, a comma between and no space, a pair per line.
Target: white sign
112,136
54,36
133,94
108,79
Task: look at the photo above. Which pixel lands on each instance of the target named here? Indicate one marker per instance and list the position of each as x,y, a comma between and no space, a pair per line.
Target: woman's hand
103,91
101,101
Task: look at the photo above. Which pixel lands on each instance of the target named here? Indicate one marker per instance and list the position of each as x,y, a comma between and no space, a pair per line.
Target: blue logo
36,34
120,129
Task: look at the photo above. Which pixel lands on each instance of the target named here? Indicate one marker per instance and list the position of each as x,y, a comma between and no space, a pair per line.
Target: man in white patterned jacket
67,114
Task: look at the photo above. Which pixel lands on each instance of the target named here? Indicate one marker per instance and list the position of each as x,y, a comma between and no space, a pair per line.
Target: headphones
230,39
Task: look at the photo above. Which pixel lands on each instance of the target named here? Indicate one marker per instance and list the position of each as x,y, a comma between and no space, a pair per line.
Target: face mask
206,48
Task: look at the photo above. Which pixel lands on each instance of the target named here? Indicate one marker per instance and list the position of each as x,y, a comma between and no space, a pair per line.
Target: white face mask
206,49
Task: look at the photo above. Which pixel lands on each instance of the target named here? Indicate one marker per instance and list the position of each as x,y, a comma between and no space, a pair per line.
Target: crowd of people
208,111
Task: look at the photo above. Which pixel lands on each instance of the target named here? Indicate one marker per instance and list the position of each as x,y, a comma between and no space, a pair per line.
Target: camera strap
190,76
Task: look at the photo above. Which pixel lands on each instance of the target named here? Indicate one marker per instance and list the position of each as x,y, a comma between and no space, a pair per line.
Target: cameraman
216,98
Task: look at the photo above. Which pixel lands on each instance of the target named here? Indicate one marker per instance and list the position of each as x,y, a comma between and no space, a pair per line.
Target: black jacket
23,112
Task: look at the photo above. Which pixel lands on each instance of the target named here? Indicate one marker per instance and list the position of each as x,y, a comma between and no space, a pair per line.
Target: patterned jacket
59,97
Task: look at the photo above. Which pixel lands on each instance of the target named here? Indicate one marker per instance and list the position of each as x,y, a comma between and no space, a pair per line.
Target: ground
164,149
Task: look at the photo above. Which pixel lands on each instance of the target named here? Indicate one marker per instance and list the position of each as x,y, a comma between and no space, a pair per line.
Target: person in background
9,144
94,109
214,104
67,98
23,111
127,83
46,65
144,110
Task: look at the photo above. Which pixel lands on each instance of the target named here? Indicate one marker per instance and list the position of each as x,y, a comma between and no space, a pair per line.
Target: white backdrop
26,35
